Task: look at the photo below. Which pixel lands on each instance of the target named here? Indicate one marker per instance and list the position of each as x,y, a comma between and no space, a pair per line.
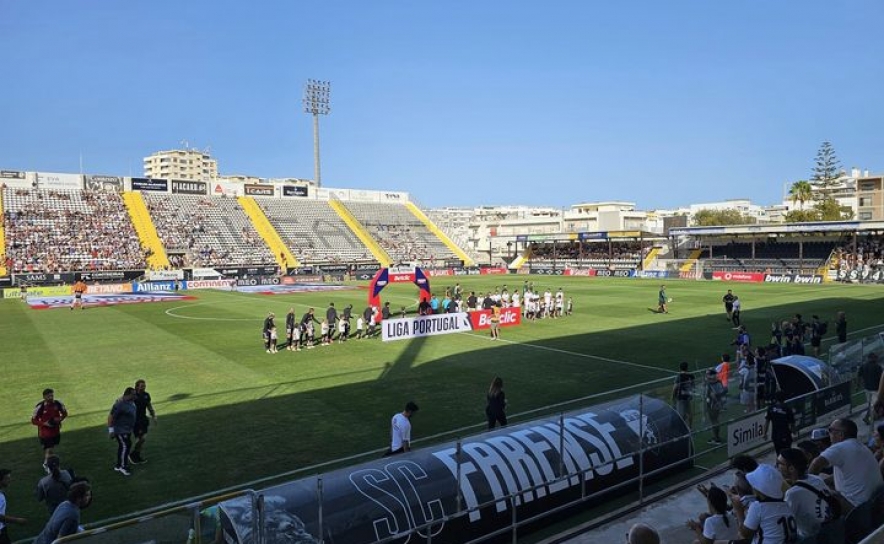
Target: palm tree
801,192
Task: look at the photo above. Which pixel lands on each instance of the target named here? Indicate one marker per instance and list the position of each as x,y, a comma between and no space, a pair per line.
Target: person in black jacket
495,408
290,324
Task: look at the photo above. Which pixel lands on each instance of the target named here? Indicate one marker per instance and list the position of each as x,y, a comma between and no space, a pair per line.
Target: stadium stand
313,231
402,235
618,255
54,230
207,231
776,256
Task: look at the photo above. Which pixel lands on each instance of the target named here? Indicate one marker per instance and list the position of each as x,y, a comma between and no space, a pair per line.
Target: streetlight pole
316,102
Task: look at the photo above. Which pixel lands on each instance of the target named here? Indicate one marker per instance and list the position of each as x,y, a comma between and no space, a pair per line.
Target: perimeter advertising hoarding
294,190
184,187
753,277
426,325
464,491
249,271
793,278
39,291
259,190
150,184
103,183
47,180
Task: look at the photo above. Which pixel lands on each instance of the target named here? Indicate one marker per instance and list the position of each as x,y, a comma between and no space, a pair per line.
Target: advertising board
150,184
47,180
186,187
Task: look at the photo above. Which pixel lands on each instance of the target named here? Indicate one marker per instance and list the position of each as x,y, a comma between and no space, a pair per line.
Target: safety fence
627,444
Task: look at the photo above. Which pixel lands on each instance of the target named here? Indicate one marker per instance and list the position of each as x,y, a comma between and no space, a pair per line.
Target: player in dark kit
728,300
268,324
142,408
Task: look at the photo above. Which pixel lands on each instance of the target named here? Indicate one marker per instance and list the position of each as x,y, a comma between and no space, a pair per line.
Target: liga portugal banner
425,325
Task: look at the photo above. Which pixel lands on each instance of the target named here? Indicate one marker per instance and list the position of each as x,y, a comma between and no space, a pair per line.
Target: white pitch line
576,354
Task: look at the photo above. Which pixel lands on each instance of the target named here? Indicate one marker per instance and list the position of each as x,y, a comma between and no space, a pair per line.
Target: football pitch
229,413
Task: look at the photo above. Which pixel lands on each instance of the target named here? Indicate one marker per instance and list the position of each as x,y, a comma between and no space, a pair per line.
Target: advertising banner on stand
481,319
259,190
59,181
493,270
112,184
11,174
811,279
184,187
294,190
150,184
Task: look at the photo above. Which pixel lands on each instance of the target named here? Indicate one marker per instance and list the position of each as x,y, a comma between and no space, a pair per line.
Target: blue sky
460,103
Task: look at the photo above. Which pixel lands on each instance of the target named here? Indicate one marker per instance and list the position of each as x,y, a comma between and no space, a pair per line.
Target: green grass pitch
230,413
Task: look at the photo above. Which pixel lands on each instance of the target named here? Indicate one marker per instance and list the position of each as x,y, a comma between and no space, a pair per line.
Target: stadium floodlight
316,102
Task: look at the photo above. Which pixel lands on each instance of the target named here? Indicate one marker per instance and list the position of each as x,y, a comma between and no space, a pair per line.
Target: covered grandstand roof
785,228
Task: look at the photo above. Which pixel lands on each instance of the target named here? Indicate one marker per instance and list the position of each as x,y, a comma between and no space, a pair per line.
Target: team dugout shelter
603,250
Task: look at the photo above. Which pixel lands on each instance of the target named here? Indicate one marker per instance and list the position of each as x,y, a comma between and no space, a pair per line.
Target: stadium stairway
692,260
146,230
3,271
650,258
360,232
415,211
521,259
283,255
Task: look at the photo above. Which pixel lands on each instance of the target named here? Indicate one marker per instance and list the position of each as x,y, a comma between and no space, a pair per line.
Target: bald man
642,534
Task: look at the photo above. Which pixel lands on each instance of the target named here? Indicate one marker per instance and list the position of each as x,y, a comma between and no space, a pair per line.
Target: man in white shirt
401,430
857,476
809,497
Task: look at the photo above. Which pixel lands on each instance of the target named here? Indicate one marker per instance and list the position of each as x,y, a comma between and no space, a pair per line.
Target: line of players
302,334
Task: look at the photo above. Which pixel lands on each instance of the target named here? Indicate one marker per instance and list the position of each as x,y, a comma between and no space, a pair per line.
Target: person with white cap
769,519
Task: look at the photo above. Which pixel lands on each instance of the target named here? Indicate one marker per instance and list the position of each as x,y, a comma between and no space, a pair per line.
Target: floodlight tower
316,101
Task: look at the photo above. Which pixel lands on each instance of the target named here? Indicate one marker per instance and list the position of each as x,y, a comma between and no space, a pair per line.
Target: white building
186,164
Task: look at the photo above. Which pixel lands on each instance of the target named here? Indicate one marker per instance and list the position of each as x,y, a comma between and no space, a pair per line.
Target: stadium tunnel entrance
386,276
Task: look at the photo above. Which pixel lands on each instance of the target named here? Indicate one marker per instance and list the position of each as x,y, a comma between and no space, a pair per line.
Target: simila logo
742,435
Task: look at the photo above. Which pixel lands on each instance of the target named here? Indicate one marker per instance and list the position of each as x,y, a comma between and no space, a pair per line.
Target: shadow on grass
203,449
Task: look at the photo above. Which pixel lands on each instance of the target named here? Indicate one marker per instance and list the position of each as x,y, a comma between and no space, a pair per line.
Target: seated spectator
717,524
810,499
769,516
641,533
856,475
877,446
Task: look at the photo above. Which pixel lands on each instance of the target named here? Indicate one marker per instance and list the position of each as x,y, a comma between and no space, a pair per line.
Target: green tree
801,192
708,218
826,169
830,210
826,209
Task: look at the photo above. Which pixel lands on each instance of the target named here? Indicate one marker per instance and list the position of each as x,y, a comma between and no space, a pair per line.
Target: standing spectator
713,398
143,406
869,376
810,498
682,392
401,430
769,519
48,415
53,488
385,311
723,369
782,419
735,312
748,384
818,329
495,408
65,521
120,424
6,519
728,300
857,476
841,327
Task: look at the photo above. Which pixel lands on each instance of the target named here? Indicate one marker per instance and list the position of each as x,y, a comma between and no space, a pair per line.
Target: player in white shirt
560,303
516,302
505,298
769,520
547,303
